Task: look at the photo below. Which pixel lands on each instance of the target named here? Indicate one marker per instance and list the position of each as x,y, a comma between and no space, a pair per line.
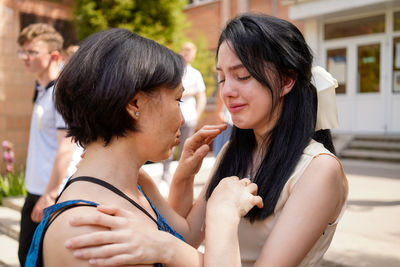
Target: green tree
205,63
160,20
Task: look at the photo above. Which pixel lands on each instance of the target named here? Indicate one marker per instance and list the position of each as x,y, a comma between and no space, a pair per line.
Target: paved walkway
368,235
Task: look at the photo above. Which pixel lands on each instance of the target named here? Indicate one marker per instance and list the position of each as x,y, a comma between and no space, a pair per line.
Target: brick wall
205,19
15,87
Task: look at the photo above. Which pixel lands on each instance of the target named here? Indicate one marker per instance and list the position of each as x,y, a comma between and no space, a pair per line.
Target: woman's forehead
227,58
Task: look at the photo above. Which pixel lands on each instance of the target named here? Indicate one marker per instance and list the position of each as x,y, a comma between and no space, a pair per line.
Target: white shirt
192,81
43,142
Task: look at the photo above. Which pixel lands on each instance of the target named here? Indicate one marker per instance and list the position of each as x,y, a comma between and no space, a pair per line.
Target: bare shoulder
328,166
323,173
60,230
324,179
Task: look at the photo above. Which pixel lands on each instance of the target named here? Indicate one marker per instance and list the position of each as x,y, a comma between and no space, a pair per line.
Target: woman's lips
177,141
233,108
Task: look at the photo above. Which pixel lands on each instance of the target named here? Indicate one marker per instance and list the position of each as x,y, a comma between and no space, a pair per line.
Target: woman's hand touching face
196,148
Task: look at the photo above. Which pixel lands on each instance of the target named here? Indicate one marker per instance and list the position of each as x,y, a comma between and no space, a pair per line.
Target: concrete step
360,154
383,138
8,251
10,222
375,145
371,168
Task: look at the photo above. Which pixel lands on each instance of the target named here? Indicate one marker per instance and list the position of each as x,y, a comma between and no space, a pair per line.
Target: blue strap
34,258
162,223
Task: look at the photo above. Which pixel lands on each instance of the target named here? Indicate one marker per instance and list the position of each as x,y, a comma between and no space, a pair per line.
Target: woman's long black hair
264,43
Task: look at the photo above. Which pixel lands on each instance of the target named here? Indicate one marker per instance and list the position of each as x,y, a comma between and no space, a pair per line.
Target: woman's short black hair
268,45
103,76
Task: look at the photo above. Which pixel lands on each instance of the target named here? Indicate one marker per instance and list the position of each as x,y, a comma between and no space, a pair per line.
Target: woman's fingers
201,152
207,133
108,209
98,219
258,201
105,251
252,188
92,239
115,211
110,216
245,181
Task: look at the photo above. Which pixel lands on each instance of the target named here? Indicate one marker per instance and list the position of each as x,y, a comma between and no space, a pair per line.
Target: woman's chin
167,154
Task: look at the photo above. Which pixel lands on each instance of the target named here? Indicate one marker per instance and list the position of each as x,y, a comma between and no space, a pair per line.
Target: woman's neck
115,163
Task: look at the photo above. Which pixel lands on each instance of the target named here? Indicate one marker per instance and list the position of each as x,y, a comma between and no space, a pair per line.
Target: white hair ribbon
327,116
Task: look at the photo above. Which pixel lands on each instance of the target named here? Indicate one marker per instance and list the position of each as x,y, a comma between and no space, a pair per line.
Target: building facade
209,17
357,41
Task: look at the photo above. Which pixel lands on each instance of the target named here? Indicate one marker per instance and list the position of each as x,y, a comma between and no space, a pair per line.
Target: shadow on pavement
357,259
372,203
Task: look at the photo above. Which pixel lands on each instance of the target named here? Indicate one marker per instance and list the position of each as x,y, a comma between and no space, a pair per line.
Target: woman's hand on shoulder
127,242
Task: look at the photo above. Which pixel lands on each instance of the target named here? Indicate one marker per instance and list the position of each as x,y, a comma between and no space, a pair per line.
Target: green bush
160,20
12,184
205,63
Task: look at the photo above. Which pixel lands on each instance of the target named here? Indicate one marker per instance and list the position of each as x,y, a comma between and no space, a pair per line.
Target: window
64,27
396,21
368,68
355,27
337,66
396,65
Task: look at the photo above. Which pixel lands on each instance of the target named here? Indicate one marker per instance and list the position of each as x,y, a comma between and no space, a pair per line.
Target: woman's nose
228,89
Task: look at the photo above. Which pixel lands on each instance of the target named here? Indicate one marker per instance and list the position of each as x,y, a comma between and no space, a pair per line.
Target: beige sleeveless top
253,236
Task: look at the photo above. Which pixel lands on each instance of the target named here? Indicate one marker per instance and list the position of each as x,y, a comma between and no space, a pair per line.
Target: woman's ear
133,106
287,85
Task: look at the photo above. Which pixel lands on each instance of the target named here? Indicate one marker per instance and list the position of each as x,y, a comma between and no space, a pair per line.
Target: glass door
370,88
358,66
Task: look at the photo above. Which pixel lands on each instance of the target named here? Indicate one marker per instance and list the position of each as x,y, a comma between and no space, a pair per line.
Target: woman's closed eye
243,78
240,78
